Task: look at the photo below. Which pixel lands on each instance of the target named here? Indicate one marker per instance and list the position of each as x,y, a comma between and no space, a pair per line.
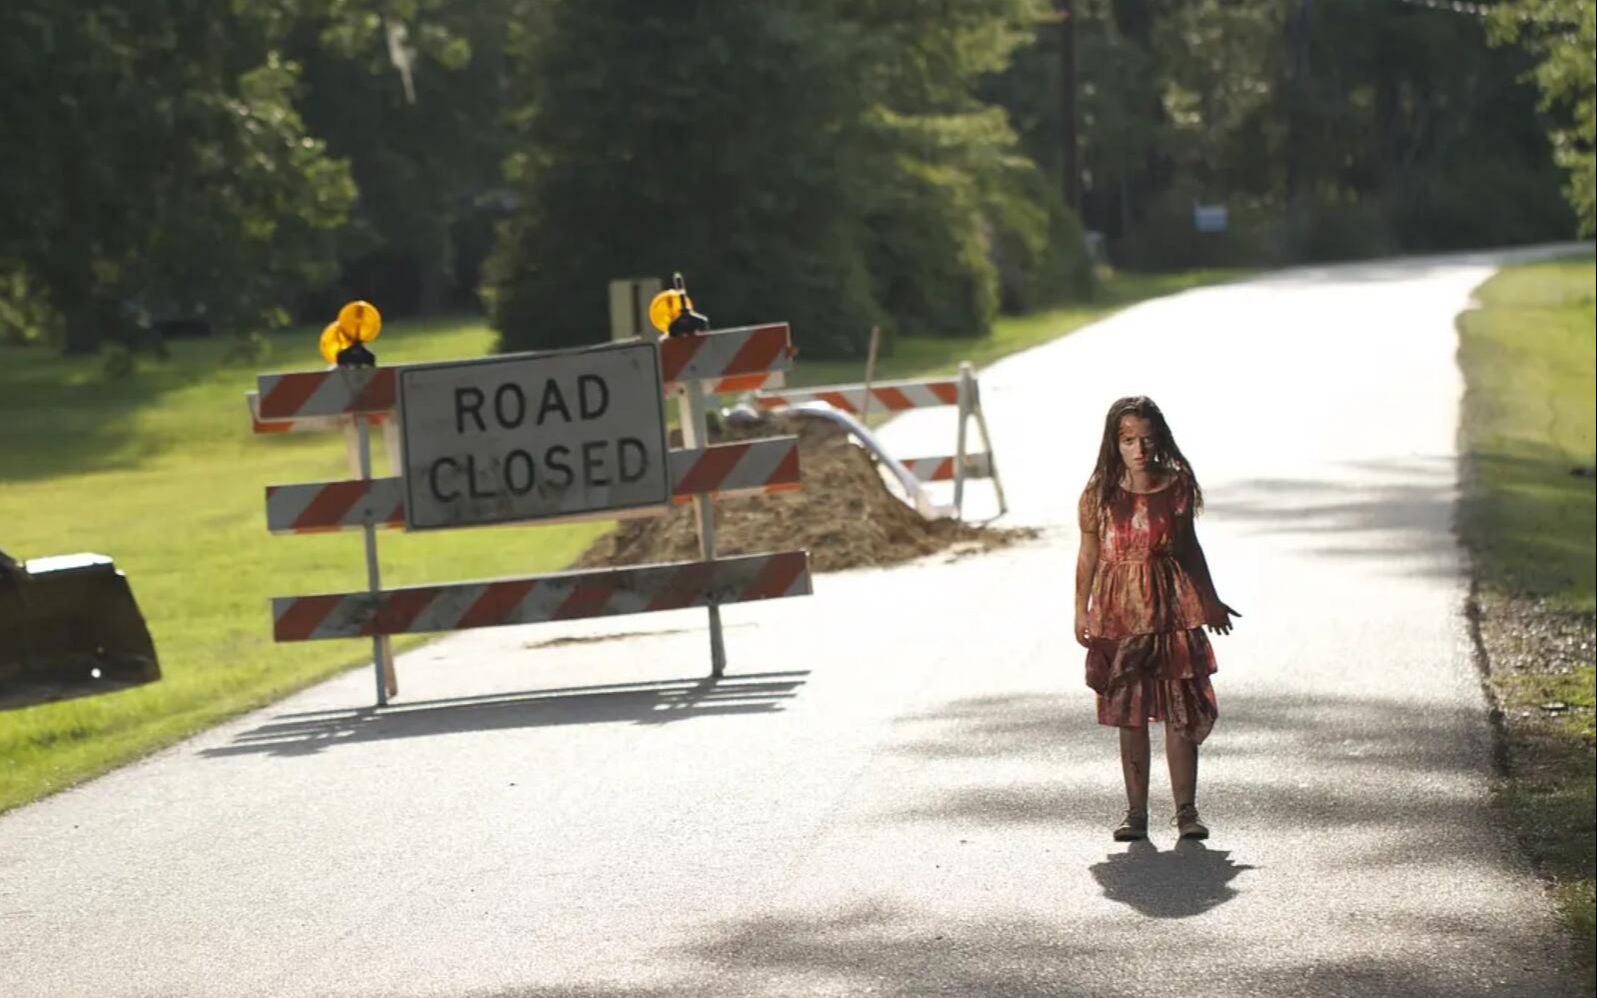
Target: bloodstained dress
1148,658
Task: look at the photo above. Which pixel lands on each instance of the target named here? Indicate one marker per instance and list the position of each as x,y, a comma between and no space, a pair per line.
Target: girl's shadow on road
1186,881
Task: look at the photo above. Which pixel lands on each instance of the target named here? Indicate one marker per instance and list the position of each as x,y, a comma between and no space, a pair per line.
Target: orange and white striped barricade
962,391
460,437
755,467
736,360
567,596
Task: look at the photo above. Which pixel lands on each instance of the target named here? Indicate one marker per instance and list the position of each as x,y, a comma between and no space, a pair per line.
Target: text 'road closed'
533,436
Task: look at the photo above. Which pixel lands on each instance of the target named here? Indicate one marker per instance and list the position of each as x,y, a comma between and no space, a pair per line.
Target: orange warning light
360,321
666,306
333,341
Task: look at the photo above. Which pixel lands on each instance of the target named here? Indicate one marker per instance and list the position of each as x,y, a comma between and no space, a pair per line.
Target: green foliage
1222,63
1328,130
845,177
1040,246
838,163
729,165
167,170
1563,34
424,140
928,255
25,315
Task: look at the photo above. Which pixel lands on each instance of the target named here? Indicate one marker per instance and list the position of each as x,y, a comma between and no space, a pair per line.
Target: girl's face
1136,442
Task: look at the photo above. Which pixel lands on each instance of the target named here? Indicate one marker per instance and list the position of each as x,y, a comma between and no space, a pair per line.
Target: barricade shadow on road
643,703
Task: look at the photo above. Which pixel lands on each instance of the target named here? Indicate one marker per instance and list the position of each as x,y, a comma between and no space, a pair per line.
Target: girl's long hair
1166,455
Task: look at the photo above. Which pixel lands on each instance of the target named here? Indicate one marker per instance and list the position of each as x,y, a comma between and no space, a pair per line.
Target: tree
824,163
160,164
425,139
717,144
961,221
1562,33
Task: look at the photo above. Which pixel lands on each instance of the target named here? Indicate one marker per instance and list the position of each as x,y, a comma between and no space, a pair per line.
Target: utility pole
1066,11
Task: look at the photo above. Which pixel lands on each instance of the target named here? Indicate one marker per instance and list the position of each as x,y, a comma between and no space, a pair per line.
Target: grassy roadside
1527,518
161,472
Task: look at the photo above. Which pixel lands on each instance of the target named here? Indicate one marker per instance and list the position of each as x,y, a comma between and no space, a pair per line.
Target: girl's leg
1134,766
1182,755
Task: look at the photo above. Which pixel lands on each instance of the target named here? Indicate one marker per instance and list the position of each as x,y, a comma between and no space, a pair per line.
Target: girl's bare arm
1192,559
1190,552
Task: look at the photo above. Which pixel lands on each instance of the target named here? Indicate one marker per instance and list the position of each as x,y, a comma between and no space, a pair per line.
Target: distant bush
1040,249
25,316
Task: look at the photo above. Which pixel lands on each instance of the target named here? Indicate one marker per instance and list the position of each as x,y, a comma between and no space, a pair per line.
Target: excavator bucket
69,627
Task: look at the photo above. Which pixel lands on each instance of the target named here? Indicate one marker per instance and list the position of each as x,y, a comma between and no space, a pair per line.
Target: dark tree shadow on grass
64,415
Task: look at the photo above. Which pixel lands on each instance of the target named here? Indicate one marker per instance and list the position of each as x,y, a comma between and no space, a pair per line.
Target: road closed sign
533,436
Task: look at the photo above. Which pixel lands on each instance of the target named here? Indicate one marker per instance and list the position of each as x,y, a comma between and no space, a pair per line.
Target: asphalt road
899,789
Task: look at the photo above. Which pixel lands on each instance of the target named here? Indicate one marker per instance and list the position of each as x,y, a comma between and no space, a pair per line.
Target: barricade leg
358,436
992,460
966,384
695,431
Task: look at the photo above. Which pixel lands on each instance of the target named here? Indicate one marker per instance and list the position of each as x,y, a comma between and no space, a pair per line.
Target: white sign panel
533,436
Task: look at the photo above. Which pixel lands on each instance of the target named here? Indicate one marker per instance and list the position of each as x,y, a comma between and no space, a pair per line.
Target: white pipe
918,500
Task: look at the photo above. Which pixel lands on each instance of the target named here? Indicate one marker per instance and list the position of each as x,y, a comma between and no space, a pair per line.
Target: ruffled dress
1148,658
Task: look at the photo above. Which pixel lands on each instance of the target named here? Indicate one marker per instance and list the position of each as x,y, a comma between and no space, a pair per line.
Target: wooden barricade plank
893,396
752,467
341,391
944,469
566,596
727,360
723,354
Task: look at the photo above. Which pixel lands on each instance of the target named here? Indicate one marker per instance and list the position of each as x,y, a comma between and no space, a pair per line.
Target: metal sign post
357,436
967,387
695,434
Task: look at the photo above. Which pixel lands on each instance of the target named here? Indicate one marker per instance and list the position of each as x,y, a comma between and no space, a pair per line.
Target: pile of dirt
843,515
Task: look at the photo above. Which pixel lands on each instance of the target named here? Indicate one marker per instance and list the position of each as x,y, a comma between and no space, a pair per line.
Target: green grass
161,472
1530,409
1527,355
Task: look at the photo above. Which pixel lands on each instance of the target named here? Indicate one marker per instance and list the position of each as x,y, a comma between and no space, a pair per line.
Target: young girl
1143,597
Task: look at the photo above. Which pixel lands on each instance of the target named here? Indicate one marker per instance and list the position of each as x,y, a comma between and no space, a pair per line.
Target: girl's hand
1082,637
1218,616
